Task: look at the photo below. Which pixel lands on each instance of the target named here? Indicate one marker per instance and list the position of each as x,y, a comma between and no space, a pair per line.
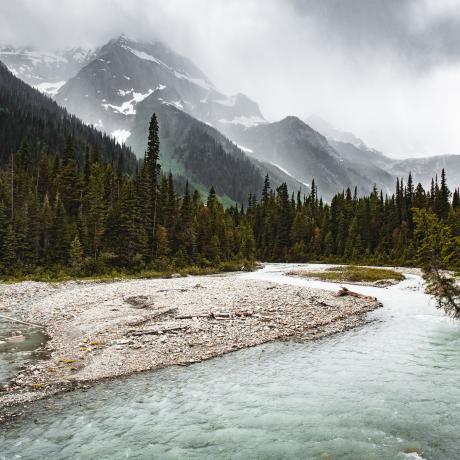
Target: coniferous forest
60,214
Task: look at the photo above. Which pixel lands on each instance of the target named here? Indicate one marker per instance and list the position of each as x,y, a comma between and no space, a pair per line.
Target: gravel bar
103,330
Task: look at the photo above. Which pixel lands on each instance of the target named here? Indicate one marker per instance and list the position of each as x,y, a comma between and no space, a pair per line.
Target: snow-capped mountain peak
126,71
104,86
46,70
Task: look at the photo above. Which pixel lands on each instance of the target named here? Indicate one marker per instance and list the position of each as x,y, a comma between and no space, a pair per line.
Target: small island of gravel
352,274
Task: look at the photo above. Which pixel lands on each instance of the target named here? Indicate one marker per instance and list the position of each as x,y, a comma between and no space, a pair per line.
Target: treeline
62,215
28,114
374,229
207,162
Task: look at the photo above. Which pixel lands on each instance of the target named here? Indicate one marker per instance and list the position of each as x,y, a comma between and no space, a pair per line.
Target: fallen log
243,313
221,315
157,314
137,333
218,315
207,315
346,292
9,318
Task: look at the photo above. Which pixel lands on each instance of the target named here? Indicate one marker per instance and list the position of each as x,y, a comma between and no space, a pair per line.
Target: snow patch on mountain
245,149
121,135
229,102
127,107
282,169
177,104
195,81
50,89
125,92
145,56
285,171
244,121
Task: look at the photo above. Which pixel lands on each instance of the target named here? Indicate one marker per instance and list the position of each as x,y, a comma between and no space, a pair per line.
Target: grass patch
114,275
354,274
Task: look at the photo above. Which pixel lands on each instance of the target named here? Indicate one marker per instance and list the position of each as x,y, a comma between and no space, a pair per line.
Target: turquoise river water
377,392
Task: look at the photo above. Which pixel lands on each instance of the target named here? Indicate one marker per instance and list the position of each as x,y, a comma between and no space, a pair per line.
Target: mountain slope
303,153
199,152
46,71
381,169
108,89
332,133
27,114
423,169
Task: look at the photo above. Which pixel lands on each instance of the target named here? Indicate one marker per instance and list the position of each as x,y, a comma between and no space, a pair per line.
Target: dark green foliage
28,115
60,215
436,251
232,174
87,217
373,229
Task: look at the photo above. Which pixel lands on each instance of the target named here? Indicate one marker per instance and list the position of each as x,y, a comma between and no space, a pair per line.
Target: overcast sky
387,70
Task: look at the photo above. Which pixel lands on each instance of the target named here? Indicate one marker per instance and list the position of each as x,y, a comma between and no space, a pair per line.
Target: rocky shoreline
105,330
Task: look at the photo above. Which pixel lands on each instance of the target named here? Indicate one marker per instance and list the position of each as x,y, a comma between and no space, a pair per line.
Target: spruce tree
8,260
152,169
76,255
444,196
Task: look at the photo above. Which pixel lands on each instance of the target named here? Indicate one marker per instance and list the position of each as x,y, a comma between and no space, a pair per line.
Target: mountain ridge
124,74
28,115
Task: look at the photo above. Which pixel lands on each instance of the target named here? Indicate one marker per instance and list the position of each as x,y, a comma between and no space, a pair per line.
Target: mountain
191,148
46,71
26,114
196,150
304,154
423,169
117,86
129,80
107,90
381,169
332,133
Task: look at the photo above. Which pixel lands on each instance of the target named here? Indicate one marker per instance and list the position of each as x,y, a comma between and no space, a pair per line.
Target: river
370,393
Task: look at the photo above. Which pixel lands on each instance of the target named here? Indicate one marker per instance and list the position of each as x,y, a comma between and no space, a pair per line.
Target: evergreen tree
434,249
76,255
9,261
152,171
444,196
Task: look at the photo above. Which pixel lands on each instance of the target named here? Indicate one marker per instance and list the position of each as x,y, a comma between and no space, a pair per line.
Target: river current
387,390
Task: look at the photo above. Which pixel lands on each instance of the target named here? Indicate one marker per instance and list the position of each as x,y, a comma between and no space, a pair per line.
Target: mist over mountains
118,85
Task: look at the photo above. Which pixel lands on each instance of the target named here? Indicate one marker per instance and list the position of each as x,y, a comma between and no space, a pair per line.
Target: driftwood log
157,331
346,292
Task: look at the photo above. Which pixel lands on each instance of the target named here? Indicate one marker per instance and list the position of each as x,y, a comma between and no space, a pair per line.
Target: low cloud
388,71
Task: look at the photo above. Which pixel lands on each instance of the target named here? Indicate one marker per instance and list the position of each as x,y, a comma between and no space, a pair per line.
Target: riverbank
60,276
106,330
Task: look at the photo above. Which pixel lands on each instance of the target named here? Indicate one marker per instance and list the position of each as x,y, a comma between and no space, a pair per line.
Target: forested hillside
376,228
60,216
194,150
27,115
